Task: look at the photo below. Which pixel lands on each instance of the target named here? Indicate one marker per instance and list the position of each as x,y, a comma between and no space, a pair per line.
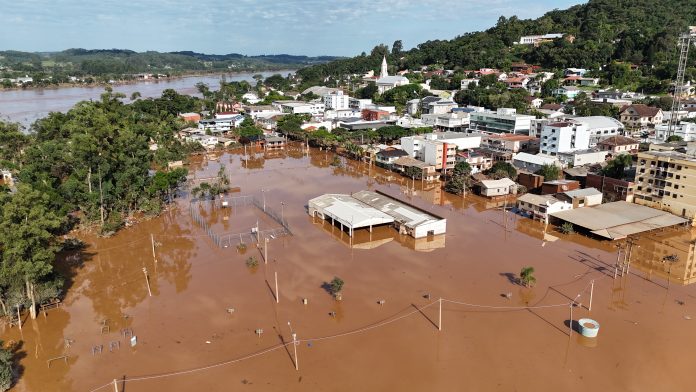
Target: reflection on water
649,255
365,239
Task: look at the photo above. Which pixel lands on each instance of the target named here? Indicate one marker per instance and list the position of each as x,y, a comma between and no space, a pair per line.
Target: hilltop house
639,116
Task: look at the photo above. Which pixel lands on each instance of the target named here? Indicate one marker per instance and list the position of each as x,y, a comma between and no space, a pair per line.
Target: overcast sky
310,27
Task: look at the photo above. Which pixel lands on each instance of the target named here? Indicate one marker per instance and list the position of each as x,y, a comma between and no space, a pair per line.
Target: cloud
250,26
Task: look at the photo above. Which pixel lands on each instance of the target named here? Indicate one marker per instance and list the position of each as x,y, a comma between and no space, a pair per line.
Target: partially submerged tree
7,371
336,286
527,276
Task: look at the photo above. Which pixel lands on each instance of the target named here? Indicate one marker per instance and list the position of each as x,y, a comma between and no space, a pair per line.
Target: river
26,106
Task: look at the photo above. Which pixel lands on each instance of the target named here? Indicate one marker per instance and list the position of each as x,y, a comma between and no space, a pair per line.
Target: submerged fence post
439,319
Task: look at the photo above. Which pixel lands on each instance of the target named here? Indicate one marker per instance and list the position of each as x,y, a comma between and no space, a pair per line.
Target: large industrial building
367,209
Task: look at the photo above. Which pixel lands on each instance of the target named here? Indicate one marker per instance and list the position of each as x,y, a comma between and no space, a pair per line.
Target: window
678,176
676,186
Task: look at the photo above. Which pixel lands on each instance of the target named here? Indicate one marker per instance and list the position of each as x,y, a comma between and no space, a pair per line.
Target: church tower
383,72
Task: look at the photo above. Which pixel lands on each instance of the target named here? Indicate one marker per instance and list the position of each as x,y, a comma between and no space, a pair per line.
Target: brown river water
28,105
197,330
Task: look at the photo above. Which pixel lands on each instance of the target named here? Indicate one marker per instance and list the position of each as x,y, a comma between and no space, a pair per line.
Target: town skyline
297,27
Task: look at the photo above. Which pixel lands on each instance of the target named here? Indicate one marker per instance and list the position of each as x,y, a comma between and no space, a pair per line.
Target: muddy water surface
197,330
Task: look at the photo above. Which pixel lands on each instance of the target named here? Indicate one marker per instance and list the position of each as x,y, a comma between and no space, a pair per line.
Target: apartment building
563,137
336,101
666,180
503,120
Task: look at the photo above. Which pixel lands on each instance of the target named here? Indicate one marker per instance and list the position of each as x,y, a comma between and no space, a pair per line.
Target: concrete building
367,209
587,197
476,159
532,163
685,130
582,157
358,103
298,107
617,220
618,145
336,101
503,120
387,156
667,180
540,207
441,154
511,143
501,187
538,39
564,136
428,172
639,116
453,122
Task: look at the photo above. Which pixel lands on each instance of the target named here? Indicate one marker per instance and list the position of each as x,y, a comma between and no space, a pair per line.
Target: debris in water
381,302
679,302
207,342
507,295
687,317
230,310
332,314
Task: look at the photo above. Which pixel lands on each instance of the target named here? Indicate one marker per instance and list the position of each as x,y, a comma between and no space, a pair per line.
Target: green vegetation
336,286
7,371
610,33
92,66
460,179
502,170
616,167
252,262
675,138
527,276
567,228
92,165
549,172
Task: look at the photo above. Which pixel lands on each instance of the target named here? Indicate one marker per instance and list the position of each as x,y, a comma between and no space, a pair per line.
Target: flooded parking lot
200,327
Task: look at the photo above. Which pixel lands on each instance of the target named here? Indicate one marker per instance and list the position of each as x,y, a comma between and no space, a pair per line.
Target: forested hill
642,32
83,62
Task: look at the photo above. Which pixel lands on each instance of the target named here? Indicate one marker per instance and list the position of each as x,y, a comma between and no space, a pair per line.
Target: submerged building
367,209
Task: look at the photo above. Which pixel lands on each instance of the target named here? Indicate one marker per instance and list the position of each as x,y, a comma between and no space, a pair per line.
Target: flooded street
27,106
199,328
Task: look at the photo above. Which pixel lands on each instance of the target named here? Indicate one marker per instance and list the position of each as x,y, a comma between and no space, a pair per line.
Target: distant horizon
252,27
171,52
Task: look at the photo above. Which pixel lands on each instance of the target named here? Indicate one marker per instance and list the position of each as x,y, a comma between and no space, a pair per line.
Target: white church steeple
383,72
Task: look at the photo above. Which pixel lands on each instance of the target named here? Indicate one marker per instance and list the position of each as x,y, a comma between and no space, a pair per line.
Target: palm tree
527,276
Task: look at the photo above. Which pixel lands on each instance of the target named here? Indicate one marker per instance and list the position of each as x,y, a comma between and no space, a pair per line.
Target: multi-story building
442,155
685,130
297,107
564,136
358,103
457,122
639,116
503,120
336,101
667,180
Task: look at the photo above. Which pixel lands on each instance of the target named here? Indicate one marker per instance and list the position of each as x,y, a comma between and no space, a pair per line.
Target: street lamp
263,195
294,345
282,212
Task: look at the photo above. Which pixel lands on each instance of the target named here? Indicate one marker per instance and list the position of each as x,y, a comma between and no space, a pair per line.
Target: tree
567,228
502,170
456,185
461,169
336,286
397,47
549,172
616,168
527,276
7,372
413,172
675,138
28,239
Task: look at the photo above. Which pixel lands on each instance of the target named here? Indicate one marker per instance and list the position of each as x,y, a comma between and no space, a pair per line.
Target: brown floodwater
198,329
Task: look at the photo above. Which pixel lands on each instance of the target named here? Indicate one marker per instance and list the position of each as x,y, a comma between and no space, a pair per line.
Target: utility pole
591,293
115,386
276,288
265,250
439,319
19,319
294,345
152,239
147,280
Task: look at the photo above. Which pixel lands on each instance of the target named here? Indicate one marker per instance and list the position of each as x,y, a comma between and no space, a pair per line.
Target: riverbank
213,322
26,106
283,71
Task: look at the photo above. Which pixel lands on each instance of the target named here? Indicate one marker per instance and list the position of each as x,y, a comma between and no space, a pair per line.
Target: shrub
252,262
567,228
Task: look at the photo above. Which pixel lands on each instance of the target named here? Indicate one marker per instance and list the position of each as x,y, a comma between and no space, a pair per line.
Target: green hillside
639,32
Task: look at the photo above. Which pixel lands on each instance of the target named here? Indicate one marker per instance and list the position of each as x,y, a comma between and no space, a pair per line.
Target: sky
251,27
